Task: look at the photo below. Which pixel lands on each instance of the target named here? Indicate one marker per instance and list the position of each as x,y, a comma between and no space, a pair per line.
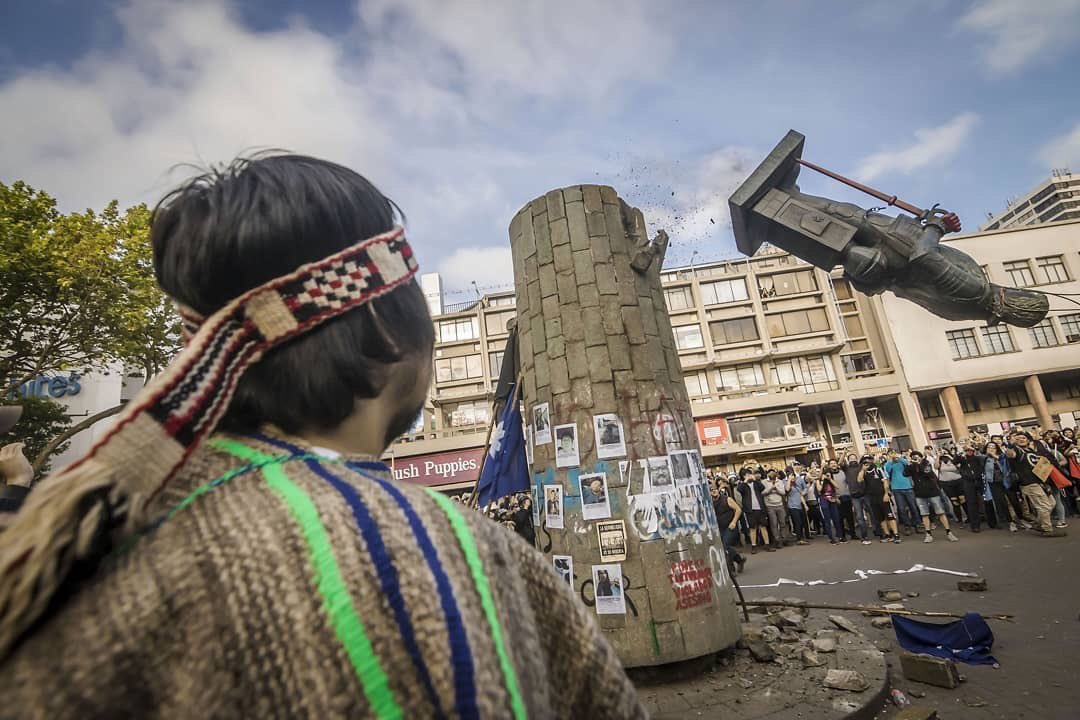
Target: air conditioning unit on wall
793,432
750,437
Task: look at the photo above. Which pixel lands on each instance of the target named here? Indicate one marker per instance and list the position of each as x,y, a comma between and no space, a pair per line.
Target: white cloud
1018,31
931,146
1062,151
488,267
443,123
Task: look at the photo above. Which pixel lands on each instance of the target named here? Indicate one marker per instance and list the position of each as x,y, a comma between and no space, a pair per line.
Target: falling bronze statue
878,252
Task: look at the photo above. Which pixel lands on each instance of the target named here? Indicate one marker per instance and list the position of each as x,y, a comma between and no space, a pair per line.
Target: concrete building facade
972,377
1054,200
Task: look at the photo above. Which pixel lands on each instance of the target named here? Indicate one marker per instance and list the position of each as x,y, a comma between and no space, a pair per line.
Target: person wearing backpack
928,495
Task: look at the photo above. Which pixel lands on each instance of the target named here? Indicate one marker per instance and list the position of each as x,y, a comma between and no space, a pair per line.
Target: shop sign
440,468
713,431
46,386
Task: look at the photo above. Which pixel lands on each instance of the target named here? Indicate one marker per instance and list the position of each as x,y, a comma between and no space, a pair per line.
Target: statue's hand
951,221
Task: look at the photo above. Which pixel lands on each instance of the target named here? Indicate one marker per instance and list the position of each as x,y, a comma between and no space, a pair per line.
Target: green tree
42,421
77,292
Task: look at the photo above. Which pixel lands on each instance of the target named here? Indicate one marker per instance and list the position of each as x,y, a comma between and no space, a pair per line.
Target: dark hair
234,228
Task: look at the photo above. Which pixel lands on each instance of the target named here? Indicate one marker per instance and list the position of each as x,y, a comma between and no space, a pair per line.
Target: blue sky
464,110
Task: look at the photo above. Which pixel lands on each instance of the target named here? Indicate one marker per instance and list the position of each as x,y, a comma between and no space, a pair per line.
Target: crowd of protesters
1020,482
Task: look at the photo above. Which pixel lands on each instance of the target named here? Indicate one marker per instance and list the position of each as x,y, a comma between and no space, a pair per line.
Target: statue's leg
866,266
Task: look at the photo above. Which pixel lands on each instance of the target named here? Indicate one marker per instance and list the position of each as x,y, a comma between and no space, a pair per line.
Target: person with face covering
235,547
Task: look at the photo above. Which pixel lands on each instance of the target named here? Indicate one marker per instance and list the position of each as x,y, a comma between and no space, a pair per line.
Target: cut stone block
930,670
843,623
845,680
972,585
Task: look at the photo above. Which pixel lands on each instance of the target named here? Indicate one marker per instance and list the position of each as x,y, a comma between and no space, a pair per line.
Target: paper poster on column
542,424
566,446
553,507
682,472
659,478
610,440
611,535
564,565
594,496
528,445
538,503
697,465
609,591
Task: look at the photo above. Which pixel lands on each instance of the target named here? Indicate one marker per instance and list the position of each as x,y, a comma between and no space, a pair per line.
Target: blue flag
505,470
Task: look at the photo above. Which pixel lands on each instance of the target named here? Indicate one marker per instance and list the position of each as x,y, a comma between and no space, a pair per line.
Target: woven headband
174,413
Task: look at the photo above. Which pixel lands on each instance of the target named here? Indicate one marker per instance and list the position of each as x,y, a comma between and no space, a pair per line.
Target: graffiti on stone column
692,583
718,563
679,512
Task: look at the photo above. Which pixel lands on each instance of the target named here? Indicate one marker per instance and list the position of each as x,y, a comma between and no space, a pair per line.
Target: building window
697,384
858,363
739,377
460,329
688,337
853,326
1052,269
724,291
1019,272
968,403
679,298
468,414
1070,325
495,362
931,407
797,322
501,301
997,339
495,323
725,332
1043,335
842,288
788,283
462,367
1073,389
962,343
1010,398
810,373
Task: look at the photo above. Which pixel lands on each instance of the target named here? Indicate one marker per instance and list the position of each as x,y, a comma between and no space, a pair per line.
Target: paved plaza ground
1036,579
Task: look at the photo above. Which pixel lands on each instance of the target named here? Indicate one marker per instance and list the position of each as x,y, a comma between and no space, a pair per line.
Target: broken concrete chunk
971,585
881,622
824,644
845,680
804,611
810,658
791,619
893,607
890,595
761,650
843,623
930,670
770,633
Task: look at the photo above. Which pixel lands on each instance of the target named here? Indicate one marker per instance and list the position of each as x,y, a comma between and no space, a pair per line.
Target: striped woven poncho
280,582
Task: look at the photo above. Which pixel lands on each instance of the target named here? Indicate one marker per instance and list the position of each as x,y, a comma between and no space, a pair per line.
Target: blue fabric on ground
967,640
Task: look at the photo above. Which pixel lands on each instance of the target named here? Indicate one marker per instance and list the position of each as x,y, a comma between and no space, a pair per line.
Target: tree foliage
41,421
77,290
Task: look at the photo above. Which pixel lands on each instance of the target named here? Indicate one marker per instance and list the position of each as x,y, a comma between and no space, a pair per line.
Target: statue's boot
1018,306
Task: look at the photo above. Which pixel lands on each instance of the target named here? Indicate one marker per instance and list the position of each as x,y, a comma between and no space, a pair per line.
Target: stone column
909,408
1038,401
854,426
595,338
954,412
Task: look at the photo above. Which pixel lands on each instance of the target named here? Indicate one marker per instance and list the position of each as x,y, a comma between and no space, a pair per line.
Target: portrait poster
594,496
542,423
566,446
624,472
681,469
698,465
610,440
659,478
608,587
564,565
553,507
612,537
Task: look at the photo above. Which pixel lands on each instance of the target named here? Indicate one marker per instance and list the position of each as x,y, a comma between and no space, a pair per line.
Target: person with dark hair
1025,458
928,495
972,467
727,512
838,475
752,492
236,548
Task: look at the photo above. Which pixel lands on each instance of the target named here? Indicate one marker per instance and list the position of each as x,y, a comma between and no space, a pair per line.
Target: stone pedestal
595,339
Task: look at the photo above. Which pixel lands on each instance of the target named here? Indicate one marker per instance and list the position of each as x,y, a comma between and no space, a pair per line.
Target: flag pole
474,498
